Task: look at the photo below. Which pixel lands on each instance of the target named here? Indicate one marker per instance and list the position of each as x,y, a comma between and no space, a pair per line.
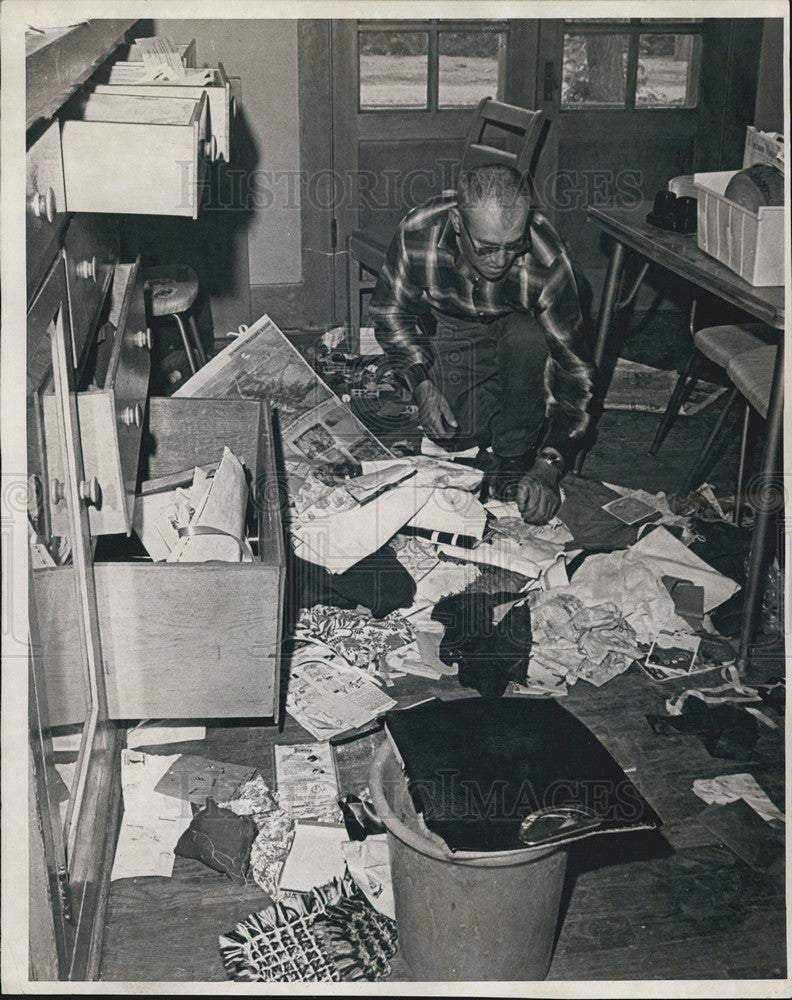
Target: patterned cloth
329,935
355,635
424,267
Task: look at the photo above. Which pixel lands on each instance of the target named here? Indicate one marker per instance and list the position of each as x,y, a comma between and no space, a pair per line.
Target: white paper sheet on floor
669,557
369,865
730,787
152,822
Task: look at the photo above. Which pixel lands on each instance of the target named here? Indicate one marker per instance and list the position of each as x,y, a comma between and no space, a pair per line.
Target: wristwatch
553,458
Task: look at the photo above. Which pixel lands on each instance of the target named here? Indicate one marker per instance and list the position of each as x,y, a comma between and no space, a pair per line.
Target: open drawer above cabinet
133,79
137,155
110,411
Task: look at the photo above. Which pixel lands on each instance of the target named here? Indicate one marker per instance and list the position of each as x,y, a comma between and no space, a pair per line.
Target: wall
263,53
770,86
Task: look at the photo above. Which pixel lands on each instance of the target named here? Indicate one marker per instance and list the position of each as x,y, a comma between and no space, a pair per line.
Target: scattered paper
307,786
196,779
672,654
217,530
730,787
634,386
368,342
326,700
369,865
155,732
159,53
667,556
315,857
152,823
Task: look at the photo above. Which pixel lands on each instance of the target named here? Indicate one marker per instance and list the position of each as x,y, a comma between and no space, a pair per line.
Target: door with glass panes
622,97
404,93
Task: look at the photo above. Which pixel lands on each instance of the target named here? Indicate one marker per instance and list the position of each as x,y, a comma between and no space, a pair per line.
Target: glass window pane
393,69
595,71
468,67
667,71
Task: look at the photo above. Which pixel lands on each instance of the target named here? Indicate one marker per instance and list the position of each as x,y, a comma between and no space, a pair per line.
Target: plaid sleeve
396,304
569,371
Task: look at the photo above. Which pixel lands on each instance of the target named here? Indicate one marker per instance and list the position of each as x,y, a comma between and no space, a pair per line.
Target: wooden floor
672,904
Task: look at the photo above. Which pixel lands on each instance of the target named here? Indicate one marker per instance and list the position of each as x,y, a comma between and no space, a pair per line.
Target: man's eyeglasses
515,249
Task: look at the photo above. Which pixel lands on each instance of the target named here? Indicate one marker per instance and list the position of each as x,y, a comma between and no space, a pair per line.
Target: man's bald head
497,187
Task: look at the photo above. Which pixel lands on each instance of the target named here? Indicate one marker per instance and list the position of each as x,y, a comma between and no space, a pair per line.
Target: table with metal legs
680,254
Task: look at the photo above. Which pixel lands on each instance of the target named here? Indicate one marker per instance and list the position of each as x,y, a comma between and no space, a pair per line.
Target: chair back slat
510,122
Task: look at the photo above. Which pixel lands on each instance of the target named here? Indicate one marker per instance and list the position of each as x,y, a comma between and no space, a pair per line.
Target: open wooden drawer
136,155
124,78
110,413
180,640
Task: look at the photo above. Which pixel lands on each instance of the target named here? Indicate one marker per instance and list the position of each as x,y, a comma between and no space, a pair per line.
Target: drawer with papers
137,155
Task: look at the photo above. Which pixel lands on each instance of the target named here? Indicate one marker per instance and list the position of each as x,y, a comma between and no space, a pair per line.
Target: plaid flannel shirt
424,271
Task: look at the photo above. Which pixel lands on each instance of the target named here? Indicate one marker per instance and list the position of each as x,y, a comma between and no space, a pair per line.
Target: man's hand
538,497
437,417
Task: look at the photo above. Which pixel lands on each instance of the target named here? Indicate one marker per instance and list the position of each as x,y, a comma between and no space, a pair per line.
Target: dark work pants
493,378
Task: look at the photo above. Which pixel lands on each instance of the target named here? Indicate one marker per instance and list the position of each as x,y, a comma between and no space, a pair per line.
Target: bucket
467,916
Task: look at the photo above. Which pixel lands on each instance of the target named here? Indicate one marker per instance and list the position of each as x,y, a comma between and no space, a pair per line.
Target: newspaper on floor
326,698
314,424
634,386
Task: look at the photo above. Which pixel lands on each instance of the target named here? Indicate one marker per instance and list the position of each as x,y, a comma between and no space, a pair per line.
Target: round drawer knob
91,491
56,491
142,338
232,108
86,269
132,416
43,205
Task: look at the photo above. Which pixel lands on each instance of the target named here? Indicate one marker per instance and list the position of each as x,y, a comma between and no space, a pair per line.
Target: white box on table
750,243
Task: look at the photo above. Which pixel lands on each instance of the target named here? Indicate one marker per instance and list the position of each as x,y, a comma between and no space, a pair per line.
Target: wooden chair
748,357
499,133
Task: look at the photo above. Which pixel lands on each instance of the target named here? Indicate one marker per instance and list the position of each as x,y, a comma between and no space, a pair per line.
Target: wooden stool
172,291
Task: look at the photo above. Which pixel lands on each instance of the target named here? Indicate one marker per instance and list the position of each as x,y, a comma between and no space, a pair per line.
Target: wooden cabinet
114,636
77,857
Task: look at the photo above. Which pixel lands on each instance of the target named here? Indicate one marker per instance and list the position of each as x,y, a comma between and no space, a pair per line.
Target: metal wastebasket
466,916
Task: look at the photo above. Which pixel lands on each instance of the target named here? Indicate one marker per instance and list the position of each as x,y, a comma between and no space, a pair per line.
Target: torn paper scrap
196,779
504,553
729,787
339,540
369,865
152,823
315,857
432,473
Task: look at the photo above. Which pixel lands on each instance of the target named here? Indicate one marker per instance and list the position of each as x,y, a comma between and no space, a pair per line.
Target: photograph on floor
394,498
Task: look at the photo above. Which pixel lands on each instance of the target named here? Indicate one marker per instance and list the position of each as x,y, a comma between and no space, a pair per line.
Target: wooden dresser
115,637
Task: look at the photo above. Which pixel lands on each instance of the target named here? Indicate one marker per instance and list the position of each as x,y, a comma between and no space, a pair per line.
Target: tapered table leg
769,497
605,321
